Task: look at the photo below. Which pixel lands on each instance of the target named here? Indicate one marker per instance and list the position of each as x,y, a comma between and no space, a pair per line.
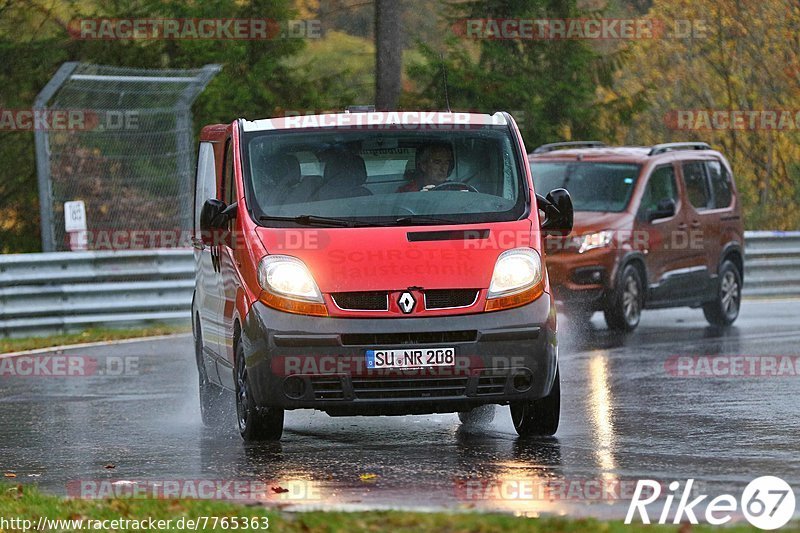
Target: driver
434,162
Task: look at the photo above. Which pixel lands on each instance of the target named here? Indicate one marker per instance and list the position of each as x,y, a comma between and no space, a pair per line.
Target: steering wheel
454,186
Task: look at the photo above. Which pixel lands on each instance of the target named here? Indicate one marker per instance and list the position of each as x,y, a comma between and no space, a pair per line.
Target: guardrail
69,291
772,264
72,291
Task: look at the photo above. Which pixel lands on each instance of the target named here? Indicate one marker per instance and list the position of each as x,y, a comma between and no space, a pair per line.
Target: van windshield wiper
312,220
423,220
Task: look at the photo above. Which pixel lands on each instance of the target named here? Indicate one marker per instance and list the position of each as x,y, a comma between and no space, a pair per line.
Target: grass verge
25,502
90,335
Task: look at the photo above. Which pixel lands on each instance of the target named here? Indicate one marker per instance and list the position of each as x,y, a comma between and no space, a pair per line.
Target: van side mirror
214,217
558,212
664,209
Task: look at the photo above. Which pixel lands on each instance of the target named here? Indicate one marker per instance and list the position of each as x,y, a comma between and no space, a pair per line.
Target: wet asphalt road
624,417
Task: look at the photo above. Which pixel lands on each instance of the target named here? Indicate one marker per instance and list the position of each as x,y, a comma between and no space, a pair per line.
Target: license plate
411,358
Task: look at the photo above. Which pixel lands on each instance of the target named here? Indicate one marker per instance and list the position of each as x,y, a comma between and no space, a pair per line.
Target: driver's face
435,166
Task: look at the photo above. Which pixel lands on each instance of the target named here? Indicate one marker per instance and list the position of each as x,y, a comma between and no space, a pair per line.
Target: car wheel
213,398
624,308
255,424
477,416
724,309
538,418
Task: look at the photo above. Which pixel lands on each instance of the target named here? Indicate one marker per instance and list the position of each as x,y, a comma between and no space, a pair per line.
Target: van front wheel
724,309
538,418
624,307
255,424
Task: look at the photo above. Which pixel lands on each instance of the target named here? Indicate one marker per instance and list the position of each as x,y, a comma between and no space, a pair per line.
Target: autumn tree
714,61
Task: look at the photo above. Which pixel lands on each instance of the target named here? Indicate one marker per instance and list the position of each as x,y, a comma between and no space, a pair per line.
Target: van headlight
518,278
289,286
591,241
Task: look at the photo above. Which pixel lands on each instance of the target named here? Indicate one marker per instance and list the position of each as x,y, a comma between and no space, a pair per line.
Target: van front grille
387,339
383,388
448,298
362,301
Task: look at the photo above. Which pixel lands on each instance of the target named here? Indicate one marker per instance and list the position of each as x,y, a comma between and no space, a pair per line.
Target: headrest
282,169
345,170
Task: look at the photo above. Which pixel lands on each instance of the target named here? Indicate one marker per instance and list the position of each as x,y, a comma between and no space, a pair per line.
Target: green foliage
548,85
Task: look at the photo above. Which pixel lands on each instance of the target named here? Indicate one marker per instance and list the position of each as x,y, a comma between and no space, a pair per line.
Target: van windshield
383,177
593,186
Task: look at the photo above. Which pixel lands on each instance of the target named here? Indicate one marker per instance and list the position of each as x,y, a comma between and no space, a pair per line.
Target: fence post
41,140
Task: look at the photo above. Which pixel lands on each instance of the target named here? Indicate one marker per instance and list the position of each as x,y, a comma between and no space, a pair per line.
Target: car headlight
591,241
288,276
514,271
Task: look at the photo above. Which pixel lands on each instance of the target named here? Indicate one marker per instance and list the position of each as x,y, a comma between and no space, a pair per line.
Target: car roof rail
360,109
569,144
670,147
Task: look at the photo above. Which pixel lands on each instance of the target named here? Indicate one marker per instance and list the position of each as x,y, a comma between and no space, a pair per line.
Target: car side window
694,177
227,174
661,186
720,184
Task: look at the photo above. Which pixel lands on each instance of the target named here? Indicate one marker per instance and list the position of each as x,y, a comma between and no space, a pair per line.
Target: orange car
654,227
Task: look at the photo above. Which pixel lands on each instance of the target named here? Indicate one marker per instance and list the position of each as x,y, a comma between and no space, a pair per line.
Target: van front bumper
303,362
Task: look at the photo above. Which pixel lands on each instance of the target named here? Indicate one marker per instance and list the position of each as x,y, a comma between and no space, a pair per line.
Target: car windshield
593,186
383,177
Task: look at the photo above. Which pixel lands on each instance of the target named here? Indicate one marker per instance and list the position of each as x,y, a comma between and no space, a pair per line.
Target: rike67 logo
767,502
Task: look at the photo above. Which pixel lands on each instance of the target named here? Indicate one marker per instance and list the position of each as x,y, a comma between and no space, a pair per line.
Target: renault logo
406,302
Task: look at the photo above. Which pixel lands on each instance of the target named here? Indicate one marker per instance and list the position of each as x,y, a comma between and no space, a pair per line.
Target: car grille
383,388
433,337
448,298
361,301
379,300
327,388
491,382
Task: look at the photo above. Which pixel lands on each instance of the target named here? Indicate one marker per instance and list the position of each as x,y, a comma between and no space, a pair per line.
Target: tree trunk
388,53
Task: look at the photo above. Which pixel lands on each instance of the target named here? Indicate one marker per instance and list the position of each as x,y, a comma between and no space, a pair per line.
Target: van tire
724,309
477,416
538,418
623,309
255,423
214,401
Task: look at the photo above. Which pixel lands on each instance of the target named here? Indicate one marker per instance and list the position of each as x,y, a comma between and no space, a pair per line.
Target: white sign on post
75,225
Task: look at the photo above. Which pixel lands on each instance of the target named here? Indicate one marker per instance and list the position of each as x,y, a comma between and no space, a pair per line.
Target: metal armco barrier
71,291
772,264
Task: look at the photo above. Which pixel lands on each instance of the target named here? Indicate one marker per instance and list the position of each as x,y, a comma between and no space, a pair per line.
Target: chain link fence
120,140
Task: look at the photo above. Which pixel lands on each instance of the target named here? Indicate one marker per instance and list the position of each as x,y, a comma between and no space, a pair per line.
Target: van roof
376,119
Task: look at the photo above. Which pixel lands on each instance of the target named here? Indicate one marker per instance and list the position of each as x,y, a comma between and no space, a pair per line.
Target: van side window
720,184
694,177
662,186
227,175
206,179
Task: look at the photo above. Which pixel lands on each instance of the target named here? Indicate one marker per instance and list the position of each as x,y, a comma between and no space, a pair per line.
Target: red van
367,263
